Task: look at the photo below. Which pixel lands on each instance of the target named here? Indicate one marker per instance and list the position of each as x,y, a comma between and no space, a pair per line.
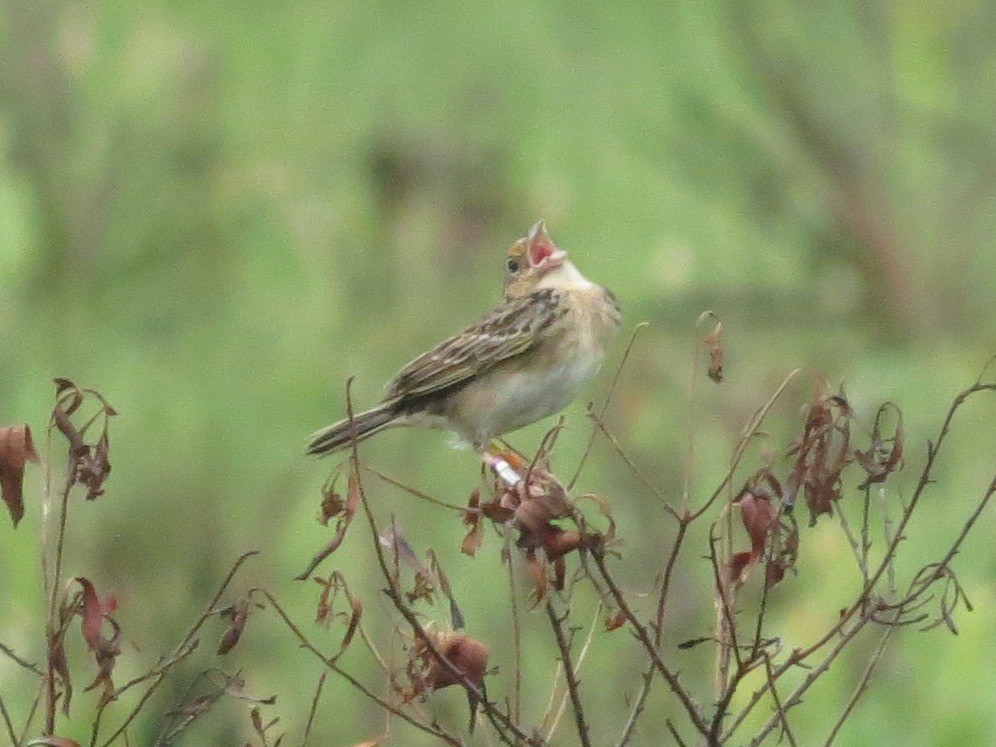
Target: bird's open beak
543,253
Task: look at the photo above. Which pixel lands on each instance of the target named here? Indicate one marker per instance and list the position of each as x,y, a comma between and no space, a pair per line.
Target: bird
524,361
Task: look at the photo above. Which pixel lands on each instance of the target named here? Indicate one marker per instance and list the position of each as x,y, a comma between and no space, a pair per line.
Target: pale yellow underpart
545,379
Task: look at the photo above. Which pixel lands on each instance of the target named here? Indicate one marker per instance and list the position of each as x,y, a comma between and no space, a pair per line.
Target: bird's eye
513,265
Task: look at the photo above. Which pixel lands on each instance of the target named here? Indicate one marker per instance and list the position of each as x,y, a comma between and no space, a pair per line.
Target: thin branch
314,707
605,404
691,708
177,655
741,447
413,491
779,708
581,657
7,722
862,684
331,664
573,687
499,720
33,668
516,632
600,424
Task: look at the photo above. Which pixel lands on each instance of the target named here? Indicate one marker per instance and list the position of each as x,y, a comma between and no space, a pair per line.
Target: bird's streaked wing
509,330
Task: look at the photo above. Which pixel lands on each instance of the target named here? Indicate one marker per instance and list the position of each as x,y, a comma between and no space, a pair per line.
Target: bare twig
430,728
691,707
573,686
158,674
605,405
862,684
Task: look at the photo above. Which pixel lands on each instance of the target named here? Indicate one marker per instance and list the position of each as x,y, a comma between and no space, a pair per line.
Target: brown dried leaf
94,468
759,517
614,622
472,542
467,655
332,505
876,461
16,448
105,650
238,616
537,572
739,563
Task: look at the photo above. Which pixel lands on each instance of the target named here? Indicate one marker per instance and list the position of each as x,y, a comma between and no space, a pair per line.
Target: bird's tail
339,435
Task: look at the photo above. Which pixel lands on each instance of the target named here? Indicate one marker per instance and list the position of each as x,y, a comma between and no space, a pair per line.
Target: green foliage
215,213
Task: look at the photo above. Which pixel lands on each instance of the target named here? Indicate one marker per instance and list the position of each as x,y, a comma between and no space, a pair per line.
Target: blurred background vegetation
215,212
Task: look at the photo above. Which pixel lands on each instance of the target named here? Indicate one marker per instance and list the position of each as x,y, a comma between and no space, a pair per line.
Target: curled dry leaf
52,742
16,448
884,455
105,650
238,616
468,656
821,454
472,517
345,515
614,622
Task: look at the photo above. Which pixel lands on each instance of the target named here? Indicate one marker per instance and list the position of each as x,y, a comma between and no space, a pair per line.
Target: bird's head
530,260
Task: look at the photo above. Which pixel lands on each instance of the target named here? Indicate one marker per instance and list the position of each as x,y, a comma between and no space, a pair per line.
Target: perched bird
524,361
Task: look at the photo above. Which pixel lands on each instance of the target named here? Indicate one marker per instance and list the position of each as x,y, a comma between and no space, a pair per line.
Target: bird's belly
503,401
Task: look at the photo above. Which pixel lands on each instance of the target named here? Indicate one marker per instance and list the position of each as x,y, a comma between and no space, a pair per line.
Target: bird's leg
498,464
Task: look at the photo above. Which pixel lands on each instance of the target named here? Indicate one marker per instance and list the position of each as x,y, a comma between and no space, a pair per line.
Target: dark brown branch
573,686
691,708
330,663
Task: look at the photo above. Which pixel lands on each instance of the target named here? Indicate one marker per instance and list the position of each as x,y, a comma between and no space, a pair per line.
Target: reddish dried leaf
472,542
559,573
497,513
105,650
93,614
468,656
558,542
739,563
238,615
614,622
332,505
94,468
759,516
16,448
57,660
323,611
875,461
538,574
52,742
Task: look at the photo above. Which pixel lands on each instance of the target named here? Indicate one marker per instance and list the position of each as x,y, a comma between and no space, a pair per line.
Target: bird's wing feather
509,330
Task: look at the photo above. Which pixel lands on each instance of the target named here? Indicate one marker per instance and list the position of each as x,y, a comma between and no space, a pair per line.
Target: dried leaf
105,650
332,505
537,572
467,655
354,622
238,616
614,622
16,448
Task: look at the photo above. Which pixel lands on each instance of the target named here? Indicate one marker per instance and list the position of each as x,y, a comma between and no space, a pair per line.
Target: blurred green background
215,212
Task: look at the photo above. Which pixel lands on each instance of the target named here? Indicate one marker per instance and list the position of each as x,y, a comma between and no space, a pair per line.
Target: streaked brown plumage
524,361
